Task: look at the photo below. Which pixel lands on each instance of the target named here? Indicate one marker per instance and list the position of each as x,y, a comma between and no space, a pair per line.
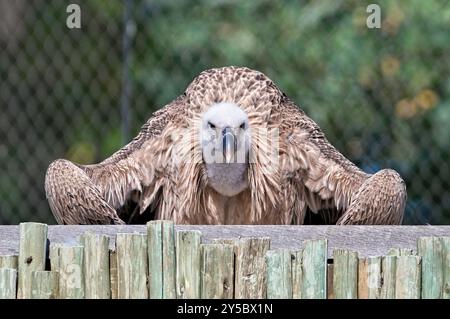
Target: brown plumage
163,173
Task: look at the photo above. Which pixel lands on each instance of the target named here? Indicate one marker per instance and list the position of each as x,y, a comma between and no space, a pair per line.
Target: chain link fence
382,96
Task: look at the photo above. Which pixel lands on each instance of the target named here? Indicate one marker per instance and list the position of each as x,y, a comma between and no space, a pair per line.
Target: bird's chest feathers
227,179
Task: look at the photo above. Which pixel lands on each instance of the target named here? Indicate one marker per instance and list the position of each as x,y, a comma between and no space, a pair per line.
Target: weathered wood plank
297,273
9,261
330,289
388,265
113,274
54,256
188,264
132,266
155,259
44,285
279,274
250,268
168,260
363,278
314,269
366,240
401,252
97,282
446,267
8,283
32,249
71,273
345,274
408,277
430,249
217,271
369,278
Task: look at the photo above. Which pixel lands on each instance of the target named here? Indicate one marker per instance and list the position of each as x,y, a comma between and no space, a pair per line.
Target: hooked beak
229,145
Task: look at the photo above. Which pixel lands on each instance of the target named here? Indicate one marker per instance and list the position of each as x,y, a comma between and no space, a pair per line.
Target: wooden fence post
97,282
430,249
217,271
132,266
408,277
279,274
345,274
314,269
188,264
32,249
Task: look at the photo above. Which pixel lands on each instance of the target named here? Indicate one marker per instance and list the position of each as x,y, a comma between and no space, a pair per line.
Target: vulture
232,149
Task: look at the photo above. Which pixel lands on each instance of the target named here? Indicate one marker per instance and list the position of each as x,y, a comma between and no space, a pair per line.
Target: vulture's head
225,142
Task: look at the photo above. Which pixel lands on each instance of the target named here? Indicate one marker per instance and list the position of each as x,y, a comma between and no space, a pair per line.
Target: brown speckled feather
162,167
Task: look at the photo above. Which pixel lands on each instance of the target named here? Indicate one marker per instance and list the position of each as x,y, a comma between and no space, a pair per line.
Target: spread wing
317,177
91,194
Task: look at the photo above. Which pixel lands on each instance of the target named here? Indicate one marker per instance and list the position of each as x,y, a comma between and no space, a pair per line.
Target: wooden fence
161,260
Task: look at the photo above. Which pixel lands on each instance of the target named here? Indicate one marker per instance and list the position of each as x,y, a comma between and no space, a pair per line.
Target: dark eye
242,127
211,125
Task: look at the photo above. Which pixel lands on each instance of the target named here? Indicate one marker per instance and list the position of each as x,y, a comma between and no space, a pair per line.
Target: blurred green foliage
382,96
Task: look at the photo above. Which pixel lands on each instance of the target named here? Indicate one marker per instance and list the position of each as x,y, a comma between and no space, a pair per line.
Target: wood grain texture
188,264
297,273
363,278
314,269
168,260
97,282
113,274
155,263
279,274
430,249
366,240
408,277
9,261
446,267
217,271
71,272
132,266
388,266
32,254
8,283
345,274
250,268
44,285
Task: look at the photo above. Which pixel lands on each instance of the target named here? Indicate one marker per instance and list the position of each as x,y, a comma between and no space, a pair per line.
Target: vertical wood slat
363,276
446,267
297,273
369,278
9,261
97,282
314,269
330,289
388,266
408,277
250,268
44,285
113,273
54,256
430,249
188,264
132,266
32,249
279,274
345,274
162,262
71,273
217,271
8,282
